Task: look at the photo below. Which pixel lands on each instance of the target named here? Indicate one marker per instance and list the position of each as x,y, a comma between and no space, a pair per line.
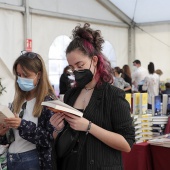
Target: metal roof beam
153,23
116,11
77,18
12,7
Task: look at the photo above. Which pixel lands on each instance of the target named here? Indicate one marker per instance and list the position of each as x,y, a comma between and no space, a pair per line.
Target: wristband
88,128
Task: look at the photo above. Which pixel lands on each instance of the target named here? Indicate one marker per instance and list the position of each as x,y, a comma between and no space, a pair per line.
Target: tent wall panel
43,38
11,43
154,47
12,2
83,8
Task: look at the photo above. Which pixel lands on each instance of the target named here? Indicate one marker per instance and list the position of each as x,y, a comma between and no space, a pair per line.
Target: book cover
164,103
159,122
61,106
143,103
156,105
160,118
128,97
5,112
136,103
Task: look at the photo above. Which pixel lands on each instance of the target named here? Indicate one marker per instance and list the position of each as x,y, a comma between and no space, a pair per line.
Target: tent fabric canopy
145,11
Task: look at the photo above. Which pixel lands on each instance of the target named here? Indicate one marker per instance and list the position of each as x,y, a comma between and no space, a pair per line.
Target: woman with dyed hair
105,130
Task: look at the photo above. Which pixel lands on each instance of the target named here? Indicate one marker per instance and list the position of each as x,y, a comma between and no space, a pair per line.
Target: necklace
85,95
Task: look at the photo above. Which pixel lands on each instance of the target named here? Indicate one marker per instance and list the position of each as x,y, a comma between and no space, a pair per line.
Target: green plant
2,88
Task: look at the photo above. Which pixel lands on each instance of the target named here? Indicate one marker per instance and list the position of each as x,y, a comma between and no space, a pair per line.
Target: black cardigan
108,109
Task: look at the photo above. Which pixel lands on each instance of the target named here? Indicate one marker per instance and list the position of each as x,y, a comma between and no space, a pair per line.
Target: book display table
160,157
167,129
144,156
139,158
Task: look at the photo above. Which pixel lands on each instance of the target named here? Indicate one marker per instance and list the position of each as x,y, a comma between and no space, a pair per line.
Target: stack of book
158,125
143,129
163,140
128,97
143,103
136,103
140,102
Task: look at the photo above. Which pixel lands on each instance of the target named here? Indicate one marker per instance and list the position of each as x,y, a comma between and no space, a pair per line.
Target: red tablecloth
139,158
167,128
161,157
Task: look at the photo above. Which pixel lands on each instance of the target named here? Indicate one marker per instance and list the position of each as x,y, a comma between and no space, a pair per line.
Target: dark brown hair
89,42
126,70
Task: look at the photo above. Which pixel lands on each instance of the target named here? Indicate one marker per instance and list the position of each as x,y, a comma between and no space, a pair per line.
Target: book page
58,102
5,112
60,106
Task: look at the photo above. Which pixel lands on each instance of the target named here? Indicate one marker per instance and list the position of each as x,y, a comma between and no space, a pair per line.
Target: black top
108,109
128,80
65,83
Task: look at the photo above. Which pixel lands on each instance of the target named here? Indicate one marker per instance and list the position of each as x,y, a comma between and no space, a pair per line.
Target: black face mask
83,77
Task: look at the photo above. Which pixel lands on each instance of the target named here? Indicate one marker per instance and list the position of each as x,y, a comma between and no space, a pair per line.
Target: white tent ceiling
144,11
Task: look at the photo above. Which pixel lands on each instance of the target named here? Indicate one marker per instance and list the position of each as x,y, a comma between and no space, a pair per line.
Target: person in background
126,75
161,83
119,81
151,84
138,76
106,129
167,88
31,134
65,82
159,72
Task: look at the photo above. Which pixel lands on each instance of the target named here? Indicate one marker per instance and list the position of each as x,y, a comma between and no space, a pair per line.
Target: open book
5,112
59,105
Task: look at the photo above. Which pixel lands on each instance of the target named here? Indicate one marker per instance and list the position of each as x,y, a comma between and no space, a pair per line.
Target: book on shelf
138,136
128,97
134,116
146,137
137,126
137,122
162,140
156,105
146,133
164,103
61,106
160,118
146,128
136,103
138,131
156,134
157,128
139,141
5,112
159,122
143,103
146,124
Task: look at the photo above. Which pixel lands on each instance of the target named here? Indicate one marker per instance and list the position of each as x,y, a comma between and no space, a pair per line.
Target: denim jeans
23,161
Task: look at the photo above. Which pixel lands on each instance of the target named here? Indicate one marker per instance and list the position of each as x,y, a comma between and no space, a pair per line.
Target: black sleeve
121,118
